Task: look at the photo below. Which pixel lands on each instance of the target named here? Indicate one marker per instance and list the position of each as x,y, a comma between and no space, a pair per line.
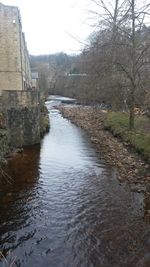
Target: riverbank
138,138
128,164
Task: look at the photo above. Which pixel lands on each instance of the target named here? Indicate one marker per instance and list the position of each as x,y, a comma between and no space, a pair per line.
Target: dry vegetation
129,165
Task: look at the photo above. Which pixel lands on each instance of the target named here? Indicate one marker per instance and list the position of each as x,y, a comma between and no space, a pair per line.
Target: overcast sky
49,24
52,26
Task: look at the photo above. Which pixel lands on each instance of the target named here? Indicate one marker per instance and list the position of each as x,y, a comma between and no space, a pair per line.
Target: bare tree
126,47
136,48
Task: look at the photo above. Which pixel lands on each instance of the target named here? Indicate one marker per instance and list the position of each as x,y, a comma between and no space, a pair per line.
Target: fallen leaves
129,165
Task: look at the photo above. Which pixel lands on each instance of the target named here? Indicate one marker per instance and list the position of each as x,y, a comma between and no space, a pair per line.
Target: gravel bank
128,164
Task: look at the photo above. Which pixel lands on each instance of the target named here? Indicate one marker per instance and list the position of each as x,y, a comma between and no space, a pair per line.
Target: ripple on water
66,208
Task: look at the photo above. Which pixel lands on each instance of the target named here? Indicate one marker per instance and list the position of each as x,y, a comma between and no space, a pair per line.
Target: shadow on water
17,198
65,207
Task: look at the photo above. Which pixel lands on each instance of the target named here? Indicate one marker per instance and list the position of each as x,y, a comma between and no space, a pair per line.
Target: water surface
65,207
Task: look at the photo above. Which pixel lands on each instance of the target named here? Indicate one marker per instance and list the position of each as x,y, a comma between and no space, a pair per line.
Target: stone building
20,112
15,71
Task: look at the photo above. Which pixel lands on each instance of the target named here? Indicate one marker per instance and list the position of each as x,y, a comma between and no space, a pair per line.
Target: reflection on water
66,208
18,200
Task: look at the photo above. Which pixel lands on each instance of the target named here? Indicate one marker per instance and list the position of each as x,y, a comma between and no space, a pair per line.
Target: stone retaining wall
23,120
4,144
22,111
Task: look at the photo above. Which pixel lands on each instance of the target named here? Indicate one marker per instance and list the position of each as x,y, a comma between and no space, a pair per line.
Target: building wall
10,81
14,58
26,71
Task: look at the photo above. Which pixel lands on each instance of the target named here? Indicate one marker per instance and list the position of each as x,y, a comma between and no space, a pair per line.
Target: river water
66,208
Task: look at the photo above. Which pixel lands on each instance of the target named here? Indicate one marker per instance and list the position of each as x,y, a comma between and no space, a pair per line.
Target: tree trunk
131,118
132,103
133,57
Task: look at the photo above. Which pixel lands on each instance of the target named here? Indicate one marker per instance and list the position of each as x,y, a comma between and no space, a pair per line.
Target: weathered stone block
4,143
22,117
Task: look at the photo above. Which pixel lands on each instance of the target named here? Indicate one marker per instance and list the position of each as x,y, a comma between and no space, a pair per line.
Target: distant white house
35,77
76,74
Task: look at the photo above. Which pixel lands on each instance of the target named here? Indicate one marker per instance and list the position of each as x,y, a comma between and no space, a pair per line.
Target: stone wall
4,144
22,115
23,120
4,139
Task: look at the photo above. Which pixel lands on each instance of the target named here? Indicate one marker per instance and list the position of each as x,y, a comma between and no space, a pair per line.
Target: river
66,208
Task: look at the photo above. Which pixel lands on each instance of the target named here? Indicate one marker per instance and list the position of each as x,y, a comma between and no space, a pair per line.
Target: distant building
76,74
35,77
15,71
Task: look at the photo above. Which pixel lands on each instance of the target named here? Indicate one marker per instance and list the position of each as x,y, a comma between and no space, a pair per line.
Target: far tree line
113,68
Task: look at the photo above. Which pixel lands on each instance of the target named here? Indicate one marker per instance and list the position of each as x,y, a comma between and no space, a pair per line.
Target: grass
139,138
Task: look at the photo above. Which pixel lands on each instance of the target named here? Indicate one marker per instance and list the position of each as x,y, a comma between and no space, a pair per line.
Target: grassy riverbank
117,152
139,138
